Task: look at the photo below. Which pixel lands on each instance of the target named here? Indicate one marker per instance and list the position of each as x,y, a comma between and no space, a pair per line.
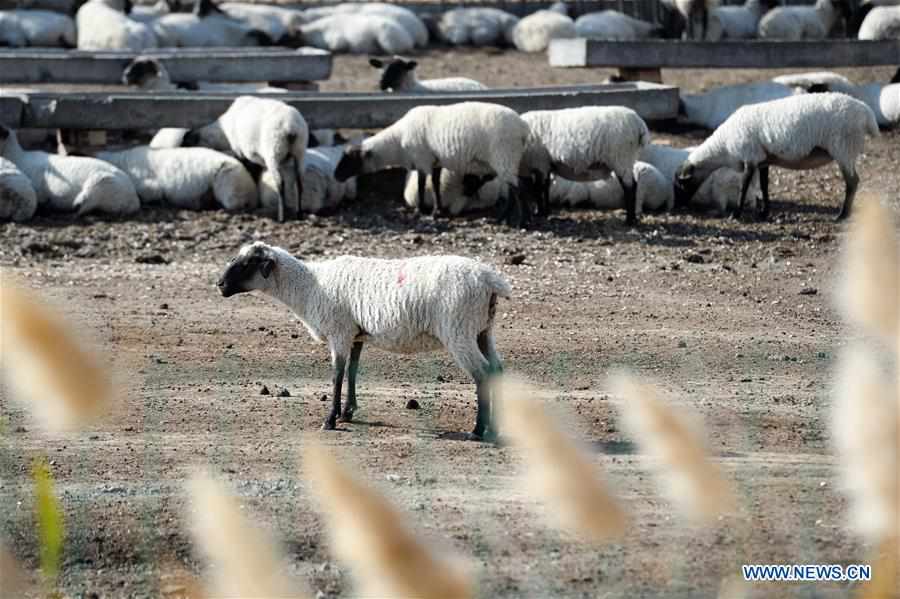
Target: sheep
534,32
459,193
70,183
321,191
712,108
404,306
880,23
801,133
815,81
11,34
401,15
357,33
186,177
474,138
207,26
149,73
102,25
882,99
654,191
280,24
148,13
18,202
265,132
479,26
738,22
399,75
691,11
803,22
43,27
611,25
584,144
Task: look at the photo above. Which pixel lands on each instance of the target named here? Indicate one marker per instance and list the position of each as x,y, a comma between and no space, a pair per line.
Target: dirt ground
734,318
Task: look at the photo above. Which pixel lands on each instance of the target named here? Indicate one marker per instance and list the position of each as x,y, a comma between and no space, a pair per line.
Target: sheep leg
495,368
421,194
468,356
543,185
278,180
851,182
298,179
352,368
630,202
436,185
518,211
749,169
764,187
338,361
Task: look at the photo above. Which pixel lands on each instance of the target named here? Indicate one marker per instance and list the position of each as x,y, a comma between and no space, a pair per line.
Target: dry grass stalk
246,561
692,481
559,472
864,430
370,536
869,290
49,371
11,574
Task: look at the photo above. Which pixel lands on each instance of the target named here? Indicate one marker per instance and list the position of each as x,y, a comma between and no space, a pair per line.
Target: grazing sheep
654,191
712,108
883,99
801,133
479,26
459,193
738,22
357,33
611,25
691,11
584,144
803,22
40,28
473,138
70,183
405,306
18,202
265,132
102,25
879,23
399,75
187,178
321,191
534,32
207,26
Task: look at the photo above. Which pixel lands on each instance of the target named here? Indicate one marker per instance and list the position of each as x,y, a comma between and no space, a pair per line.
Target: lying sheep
611,25
473,138
70,183
150,12
883,99
186,178
207,26
399,75
803,22
712,108
321,191
477,26
396,14
738,22
41,28
357,34
149,73
880,23
584,144
691,11
11,34
459,193
18,202
280,24
404,306
265,132
654,192
534,32
801,133
103,25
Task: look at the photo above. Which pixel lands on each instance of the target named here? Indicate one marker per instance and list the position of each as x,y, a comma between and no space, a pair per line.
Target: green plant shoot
51,527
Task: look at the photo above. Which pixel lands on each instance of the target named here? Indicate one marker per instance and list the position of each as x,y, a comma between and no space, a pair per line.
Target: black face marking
350,165
139,71
896,77
4,133
393,75
685,185
242,269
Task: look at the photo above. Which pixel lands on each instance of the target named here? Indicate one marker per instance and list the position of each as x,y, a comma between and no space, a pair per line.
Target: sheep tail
872,124
497,283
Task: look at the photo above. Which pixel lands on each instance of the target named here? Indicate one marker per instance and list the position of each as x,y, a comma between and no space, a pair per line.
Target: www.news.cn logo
806,572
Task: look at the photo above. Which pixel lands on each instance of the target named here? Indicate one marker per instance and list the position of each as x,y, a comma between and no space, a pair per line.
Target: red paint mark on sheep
401,278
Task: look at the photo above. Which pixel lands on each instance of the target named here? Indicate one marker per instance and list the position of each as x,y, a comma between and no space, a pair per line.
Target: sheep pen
735,319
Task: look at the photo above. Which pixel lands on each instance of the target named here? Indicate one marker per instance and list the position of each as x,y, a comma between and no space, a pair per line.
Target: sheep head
142,72
249,270
687,181
394,72
352,163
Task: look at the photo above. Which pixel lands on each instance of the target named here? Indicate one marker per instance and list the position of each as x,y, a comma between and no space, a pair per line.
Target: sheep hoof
347,416
472,437
329,425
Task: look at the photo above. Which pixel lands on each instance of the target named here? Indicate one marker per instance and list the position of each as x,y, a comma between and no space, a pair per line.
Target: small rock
164,306
695,259
284,392
323,398
20,429
822,355
412,405
682,344
440,378
151,259
516,259
265,391
809,291
129,429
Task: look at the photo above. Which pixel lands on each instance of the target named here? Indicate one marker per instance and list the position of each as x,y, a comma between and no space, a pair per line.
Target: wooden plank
183,64
754,54
346,111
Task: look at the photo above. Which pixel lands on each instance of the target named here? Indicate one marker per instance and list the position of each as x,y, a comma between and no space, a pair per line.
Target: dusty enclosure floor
734,318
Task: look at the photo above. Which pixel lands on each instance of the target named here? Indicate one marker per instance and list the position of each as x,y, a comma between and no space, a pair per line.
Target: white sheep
883,99
399,75
477,26
321,191
611,25
803,22
691,11
147,13
11,34
404,306
265,132
280,24
815,81
357,33
534,32
102,25
18,202
186,177
149,73
473,138
43,28
72,183
737,22
584,144
459,193
801,133
207,26
880,23
654,191
712,108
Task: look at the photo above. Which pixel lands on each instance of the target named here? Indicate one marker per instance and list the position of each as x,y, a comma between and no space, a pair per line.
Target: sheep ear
411,64
896,77
376,63
266,267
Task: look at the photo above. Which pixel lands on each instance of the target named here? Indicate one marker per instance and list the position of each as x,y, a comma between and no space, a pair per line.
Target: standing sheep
800,133
265,132
399,75
691,11
404,306
473,138
738,22
803,22
321,191
70,183
584,144
18,202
